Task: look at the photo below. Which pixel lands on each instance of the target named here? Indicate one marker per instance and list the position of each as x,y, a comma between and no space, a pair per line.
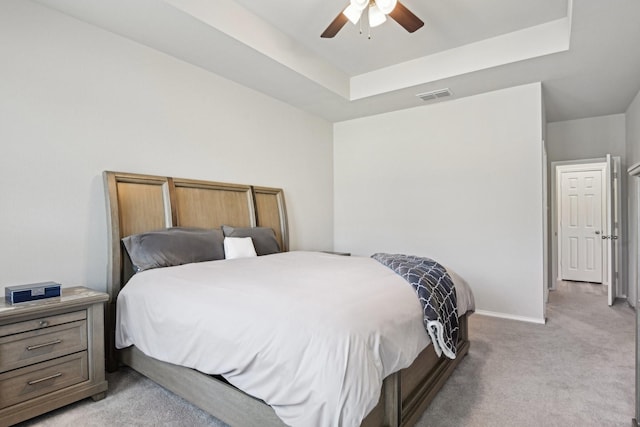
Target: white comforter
311,334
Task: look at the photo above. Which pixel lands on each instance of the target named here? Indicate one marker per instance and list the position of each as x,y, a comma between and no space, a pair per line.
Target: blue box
31,292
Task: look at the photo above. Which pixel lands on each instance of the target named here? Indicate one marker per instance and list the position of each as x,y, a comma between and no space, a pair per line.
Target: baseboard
539,321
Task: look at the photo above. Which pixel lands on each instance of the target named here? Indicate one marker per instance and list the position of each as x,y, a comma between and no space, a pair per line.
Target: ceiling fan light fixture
352,13
376,17
377,14
386,6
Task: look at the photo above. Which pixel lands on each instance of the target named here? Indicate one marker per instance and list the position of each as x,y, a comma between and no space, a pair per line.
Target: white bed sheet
311,334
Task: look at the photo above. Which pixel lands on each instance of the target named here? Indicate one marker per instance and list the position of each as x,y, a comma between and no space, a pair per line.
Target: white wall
594,138
460,181
633,157
76,100
589,138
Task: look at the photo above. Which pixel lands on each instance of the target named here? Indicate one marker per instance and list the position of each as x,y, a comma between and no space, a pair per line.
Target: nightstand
51,353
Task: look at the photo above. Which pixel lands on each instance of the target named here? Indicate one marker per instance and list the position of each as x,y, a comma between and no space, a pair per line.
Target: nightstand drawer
36,346
42,322
42,378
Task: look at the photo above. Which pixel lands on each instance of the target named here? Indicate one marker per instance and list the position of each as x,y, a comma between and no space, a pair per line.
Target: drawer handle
43,323
50,377
34,347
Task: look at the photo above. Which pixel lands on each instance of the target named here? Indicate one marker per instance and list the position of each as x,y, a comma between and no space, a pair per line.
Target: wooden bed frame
138,203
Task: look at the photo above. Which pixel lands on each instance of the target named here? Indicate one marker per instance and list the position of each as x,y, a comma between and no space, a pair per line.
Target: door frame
614,224
576,165
634,182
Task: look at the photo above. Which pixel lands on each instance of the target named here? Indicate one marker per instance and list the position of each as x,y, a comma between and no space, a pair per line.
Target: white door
581,225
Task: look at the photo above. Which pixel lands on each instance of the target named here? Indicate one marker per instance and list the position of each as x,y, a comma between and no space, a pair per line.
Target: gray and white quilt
436,293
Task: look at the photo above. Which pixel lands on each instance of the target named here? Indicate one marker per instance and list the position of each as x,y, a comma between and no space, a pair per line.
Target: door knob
597,232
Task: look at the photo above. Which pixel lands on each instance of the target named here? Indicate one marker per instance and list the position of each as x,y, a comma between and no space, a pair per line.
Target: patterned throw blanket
437,295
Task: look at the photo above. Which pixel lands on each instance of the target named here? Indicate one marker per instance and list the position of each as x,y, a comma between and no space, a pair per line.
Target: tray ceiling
584,52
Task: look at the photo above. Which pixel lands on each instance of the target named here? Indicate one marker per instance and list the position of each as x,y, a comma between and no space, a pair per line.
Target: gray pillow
264,238
173,246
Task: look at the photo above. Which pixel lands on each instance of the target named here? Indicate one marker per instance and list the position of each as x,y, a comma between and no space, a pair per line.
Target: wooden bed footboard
419,386
407,393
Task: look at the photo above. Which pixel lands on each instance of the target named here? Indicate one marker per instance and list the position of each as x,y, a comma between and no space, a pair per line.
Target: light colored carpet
577,370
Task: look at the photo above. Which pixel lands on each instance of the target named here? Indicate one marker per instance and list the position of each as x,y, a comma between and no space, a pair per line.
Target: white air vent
435,94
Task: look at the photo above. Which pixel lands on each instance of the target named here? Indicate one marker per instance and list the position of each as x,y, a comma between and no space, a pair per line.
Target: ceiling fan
377,14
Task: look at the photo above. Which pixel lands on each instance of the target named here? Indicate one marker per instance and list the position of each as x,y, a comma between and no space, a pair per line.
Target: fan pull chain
368,27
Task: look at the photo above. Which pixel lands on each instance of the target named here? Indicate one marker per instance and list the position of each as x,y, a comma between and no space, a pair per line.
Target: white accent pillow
239,247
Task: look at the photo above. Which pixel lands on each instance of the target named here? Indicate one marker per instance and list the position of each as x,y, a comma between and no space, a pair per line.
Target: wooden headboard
139,203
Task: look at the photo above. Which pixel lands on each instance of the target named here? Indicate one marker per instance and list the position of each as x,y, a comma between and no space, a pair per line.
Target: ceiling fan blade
335,26
406,18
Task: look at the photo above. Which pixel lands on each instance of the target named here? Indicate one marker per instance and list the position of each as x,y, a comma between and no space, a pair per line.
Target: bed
141,203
